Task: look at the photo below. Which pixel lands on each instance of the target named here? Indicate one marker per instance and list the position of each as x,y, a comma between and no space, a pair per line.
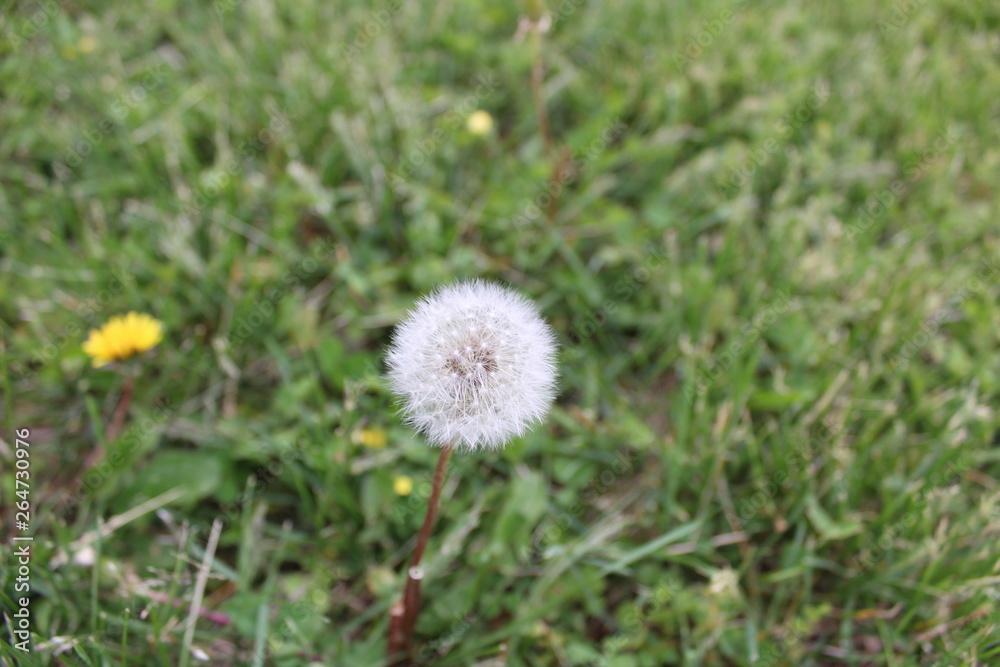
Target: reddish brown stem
440,472
397,634
560,176
537,76
561,162
403,615
114,428
411,600
123,404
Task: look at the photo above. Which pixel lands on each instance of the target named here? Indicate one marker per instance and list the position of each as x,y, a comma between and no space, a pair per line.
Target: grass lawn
764,234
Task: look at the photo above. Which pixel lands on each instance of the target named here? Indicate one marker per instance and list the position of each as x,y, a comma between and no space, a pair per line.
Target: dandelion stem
403,616
537,76
397,633
432,505
561,161
123,404
114,428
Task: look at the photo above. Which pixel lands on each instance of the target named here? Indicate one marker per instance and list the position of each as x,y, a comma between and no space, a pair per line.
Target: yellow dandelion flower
479,122
123,336
373,438
87,44
402,485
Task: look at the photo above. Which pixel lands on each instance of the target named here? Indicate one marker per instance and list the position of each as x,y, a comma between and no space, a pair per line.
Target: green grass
775,291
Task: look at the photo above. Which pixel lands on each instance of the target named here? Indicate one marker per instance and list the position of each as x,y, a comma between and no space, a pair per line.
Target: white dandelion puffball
474,364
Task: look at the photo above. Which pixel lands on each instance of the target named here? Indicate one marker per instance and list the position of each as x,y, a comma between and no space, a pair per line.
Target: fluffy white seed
474,365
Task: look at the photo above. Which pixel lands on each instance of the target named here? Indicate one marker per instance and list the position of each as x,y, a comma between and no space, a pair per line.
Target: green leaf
829,529
200,474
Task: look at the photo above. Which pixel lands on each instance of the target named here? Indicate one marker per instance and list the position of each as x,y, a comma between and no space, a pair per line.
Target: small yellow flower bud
373,438
402,485
479,122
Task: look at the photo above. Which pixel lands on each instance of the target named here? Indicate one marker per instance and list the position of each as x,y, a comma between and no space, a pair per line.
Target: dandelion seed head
474,365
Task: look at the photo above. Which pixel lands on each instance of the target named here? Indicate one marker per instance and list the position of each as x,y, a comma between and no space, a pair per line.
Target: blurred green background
765,234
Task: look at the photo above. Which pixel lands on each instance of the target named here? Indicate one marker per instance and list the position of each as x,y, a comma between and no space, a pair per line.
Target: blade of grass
199,592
